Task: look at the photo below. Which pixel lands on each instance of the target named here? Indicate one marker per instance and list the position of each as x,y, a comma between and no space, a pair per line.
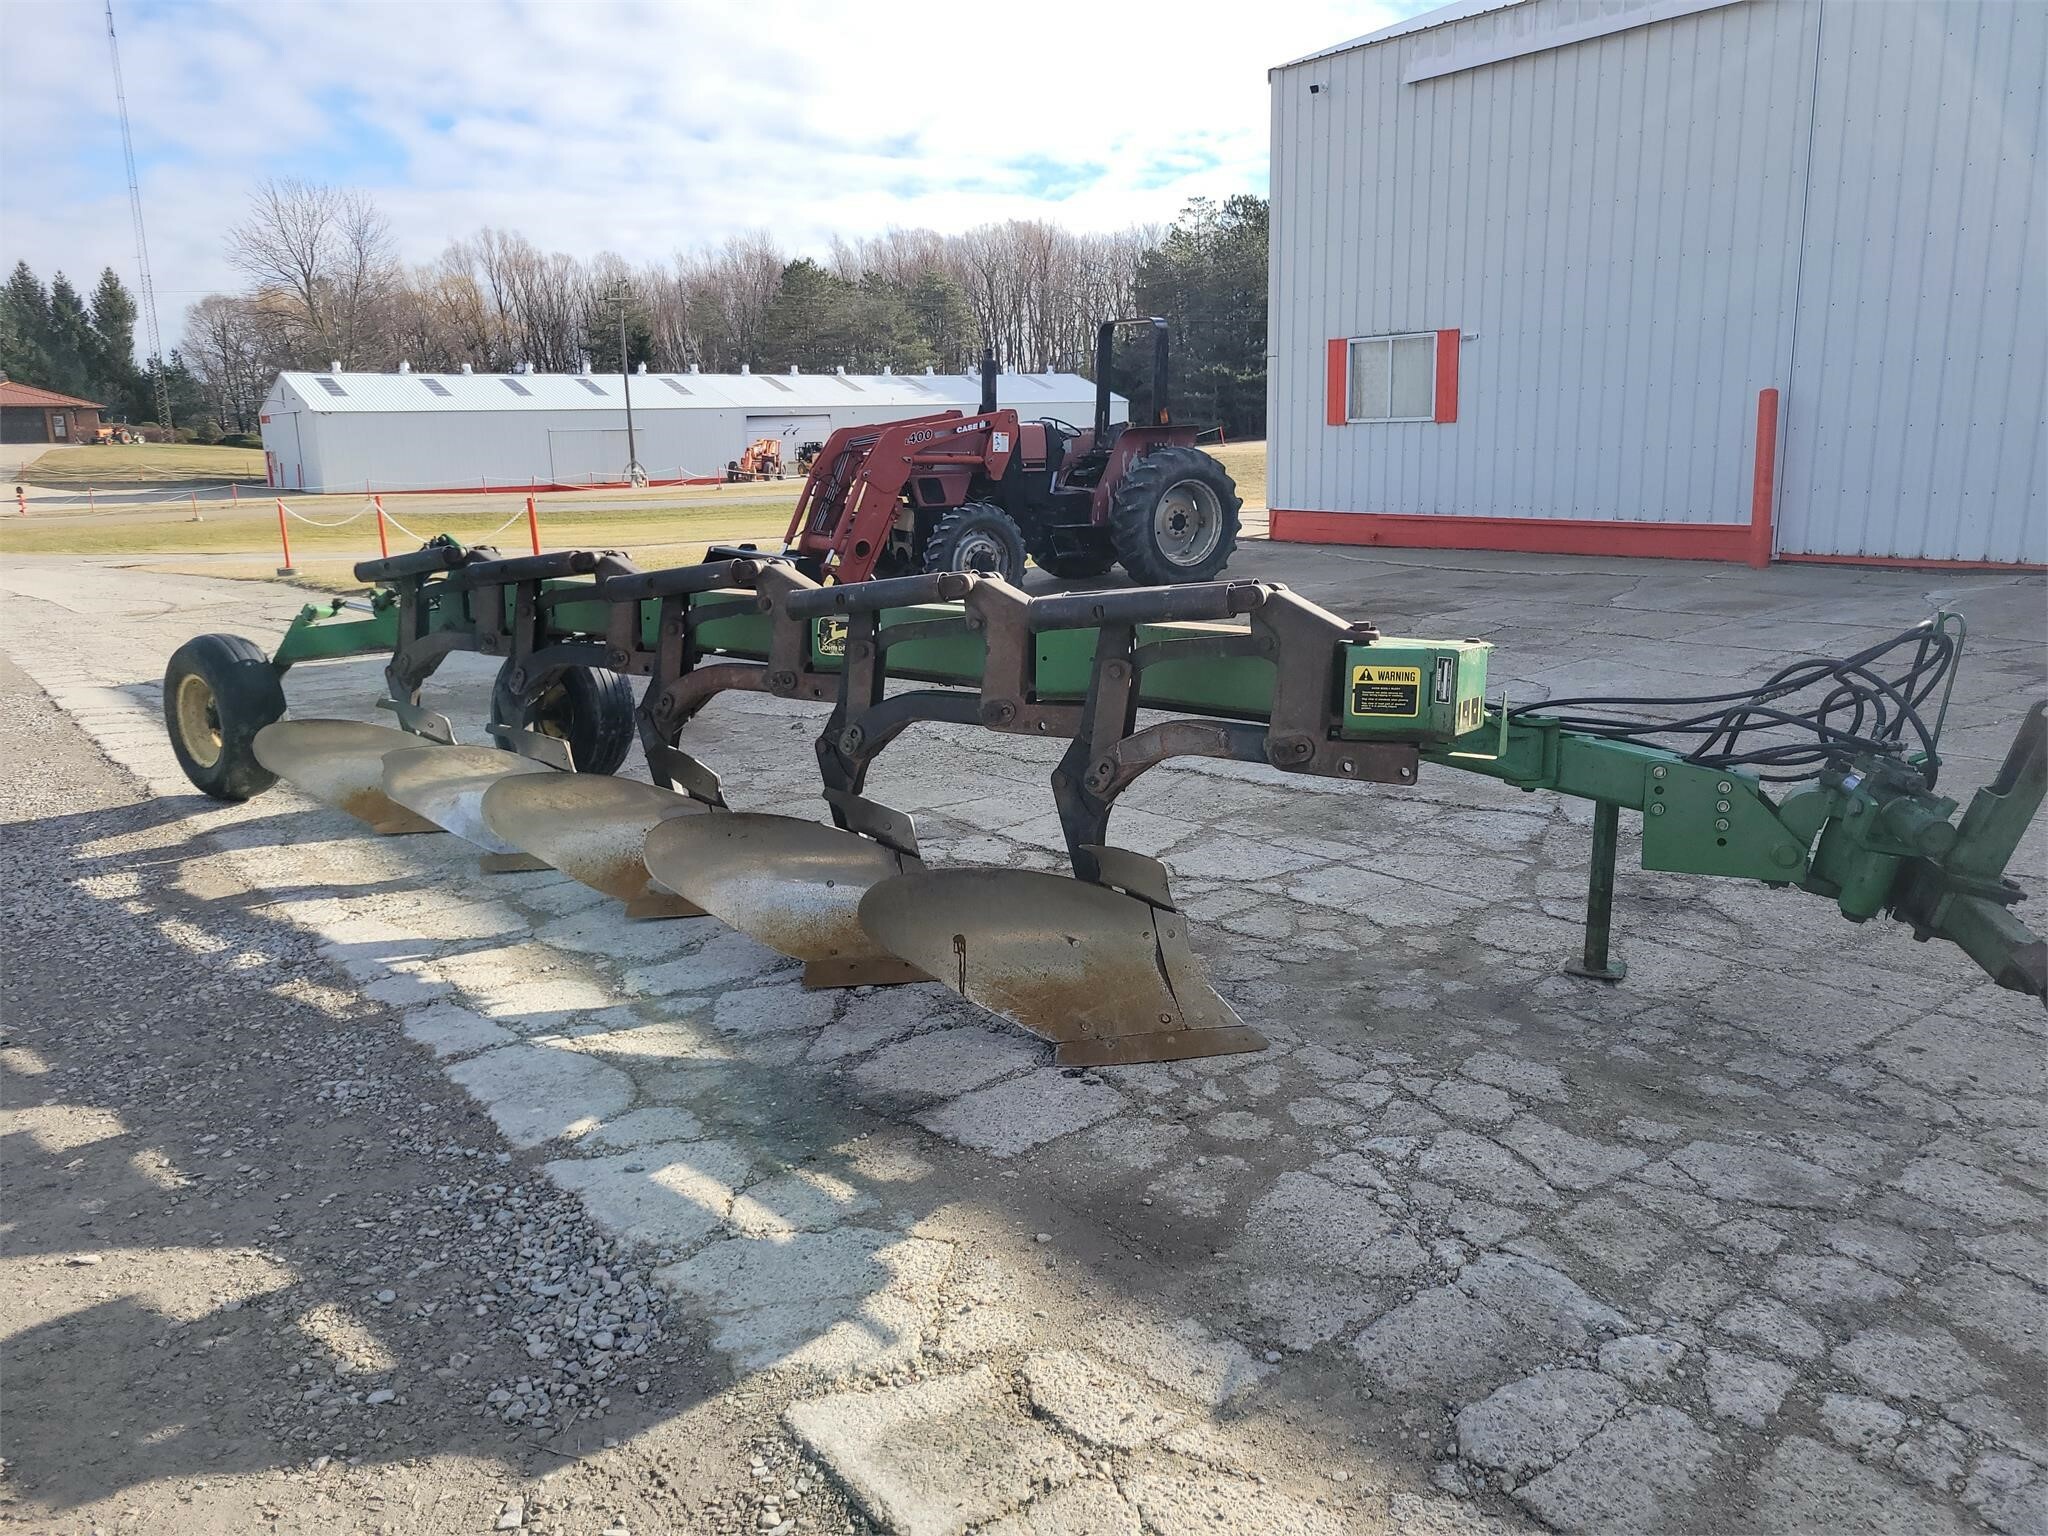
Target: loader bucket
793,885
446,785
1107,977
341,763
592,828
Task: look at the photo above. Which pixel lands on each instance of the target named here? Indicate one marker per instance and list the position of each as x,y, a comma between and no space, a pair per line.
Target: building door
60,427
281,438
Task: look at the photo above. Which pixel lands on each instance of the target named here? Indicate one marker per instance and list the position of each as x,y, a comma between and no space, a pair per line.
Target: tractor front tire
976,536
1174,518
219,691
590,708
1077,566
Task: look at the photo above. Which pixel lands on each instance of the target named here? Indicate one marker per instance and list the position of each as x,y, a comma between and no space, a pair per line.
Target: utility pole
634,472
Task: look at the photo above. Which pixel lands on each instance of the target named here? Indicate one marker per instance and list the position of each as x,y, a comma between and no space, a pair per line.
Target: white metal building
1536,265
467,431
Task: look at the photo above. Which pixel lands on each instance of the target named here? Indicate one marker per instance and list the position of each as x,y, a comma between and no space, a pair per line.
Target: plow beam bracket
1148,605
523,568
874,596
431,561
682,581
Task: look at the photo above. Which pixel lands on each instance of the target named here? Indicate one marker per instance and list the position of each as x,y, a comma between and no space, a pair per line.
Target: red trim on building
1522,535
1763,486
1447,376
1336,384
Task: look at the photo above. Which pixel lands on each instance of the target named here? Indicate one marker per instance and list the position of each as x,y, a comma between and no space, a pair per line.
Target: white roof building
405,431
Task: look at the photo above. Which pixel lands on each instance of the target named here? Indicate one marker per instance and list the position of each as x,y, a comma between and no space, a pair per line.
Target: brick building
31,415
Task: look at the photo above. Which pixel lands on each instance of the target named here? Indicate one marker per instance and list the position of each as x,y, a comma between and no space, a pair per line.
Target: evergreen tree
1208,278
810,324
71,342
118,382
24,327
187,394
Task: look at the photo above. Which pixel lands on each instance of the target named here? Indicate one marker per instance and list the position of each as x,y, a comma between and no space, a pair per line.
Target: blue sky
639,128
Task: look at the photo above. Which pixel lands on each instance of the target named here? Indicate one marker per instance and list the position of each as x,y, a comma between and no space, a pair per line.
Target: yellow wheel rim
198,720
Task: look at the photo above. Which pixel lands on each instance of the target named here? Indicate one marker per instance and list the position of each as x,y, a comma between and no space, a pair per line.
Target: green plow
1822,778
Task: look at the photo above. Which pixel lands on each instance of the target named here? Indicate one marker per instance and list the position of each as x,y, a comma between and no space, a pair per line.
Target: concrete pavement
1748,1243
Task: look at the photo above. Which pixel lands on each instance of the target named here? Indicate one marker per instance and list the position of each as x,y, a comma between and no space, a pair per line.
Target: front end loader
1821,779
956,492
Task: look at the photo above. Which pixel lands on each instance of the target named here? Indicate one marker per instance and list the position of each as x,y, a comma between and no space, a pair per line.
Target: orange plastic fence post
91,503
234,493
194,495
1763,494
383,544
284,538
533,524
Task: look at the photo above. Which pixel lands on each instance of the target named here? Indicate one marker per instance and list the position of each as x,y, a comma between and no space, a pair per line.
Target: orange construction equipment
761,461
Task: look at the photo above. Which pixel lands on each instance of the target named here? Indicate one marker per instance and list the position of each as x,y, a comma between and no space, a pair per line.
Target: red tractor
951,492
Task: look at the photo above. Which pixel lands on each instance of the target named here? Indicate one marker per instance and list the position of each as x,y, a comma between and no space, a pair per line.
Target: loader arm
850,500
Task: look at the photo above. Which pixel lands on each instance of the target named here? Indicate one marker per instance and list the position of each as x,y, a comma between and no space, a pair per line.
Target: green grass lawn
173,464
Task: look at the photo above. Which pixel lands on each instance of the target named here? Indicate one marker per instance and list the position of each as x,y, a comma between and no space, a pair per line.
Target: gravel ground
266,1267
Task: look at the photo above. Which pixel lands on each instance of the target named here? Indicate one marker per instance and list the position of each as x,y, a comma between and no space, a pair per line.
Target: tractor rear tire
590,708
977,536
1174,518
219,691
1070,566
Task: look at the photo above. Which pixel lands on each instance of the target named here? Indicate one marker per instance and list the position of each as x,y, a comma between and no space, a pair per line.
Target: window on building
332,386
436,387
769,378
591,385
1393,378
517,388
676,385
60,425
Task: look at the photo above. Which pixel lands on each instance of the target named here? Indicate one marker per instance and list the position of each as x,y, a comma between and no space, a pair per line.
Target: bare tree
321,260
225,345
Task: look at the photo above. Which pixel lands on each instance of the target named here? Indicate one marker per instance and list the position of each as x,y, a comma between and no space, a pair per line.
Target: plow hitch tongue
341,763
1107,977
447,785
592,828
795,886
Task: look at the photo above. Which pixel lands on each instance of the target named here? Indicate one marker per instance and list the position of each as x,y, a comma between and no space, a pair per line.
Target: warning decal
1386,690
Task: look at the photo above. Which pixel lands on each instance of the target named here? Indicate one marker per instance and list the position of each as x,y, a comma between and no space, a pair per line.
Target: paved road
1750,1243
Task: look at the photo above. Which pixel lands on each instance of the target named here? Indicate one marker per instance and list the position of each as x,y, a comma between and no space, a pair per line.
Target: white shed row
407,431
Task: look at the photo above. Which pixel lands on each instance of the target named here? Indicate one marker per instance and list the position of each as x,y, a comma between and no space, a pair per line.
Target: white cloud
640,128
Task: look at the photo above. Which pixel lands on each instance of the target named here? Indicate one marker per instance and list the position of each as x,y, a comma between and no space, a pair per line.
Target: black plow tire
977,536
219,691
1174,518
1077,565
588,707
